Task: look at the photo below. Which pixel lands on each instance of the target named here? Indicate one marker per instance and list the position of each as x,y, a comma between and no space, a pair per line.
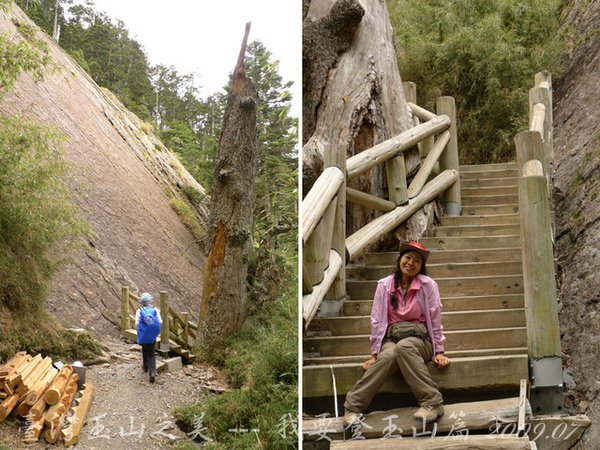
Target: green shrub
485,54
36,213
188,216
193,194
261,363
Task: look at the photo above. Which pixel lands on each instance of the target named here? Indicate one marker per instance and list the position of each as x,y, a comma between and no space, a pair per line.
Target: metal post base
547,395
453,208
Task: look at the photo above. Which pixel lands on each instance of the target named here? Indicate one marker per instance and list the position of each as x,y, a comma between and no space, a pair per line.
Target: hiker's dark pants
149,359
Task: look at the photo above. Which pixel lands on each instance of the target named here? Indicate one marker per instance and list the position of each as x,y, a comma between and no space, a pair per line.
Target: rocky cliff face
123,180
577,188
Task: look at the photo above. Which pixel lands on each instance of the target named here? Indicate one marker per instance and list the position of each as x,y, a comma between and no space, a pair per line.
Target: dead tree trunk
352,91
223,304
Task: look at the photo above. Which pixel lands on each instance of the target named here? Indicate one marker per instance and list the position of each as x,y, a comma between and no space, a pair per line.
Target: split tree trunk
352,91
223,305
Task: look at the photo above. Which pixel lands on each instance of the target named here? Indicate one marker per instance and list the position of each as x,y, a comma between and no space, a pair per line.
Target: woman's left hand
441,361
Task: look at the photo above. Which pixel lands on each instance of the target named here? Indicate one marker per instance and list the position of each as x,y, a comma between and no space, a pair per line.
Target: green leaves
483,53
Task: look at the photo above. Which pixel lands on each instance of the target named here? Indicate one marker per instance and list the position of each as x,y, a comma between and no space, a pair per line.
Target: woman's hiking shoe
351,418
429,413
152,378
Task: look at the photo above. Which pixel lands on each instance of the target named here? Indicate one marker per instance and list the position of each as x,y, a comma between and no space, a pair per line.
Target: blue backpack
148,326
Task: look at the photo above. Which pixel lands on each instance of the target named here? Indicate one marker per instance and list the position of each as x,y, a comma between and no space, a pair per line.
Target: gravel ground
128,412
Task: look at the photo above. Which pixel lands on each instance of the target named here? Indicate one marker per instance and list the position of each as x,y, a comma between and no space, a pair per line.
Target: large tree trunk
352,91
223,305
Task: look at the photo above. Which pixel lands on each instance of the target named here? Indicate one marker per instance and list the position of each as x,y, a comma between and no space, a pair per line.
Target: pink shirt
428,298
408,309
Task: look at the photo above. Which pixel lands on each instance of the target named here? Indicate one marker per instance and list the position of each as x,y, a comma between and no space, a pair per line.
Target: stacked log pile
32,388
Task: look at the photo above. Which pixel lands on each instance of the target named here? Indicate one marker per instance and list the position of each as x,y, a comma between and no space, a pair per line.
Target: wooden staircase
476,261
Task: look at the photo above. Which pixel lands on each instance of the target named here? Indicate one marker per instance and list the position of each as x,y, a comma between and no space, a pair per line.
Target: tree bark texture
352,91
223,305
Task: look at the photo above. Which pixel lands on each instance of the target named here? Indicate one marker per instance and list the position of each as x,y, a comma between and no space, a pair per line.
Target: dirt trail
128,412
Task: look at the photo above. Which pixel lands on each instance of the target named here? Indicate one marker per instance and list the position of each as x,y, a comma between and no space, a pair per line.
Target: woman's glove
441,360
369,362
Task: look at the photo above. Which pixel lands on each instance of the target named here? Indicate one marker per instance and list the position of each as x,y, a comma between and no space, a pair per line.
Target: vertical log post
410,93
185,332
335,156
124,308
164,329
543,81
541,313
449,158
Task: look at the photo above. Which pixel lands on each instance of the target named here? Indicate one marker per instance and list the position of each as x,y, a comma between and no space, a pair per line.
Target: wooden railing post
449,158
539,281
164,330
185,332
124,308
335,156
410,94
543,80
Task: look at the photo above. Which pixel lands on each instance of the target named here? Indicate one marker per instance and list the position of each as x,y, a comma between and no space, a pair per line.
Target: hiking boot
152,378
144,368
429,413
351,418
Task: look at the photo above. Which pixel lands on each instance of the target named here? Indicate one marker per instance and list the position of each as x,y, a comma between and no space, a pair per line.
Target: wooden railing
176,327
326,249
535,156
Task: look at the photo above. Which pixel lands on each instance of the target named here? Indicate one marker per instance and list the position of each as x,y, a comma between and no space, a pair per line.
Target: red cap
415,247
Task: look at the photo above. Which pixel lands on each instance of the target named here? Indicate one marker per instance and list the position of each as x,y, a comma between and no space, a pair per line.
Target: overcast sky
204,36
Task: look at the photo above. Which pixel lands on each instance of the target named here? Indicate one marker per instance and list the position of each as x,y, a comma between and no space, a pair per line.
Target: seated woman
406,333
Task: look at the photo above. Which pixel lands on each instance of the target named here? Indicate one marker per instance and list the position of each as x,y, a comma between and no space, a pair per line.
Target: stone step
435,271
454,221
486,210
467,243
492,190
363,307
451,287
458,320
512,337
449,256
487,173
487,200
450,354
486,167
477,230
489,182
479,372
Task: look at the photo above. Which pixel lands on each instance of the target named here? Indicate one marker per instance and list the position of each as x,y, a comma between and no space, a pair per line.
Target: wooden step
489,173
451,287
450,354
492,190
435,271
512,253
483,372
514,337
486,167
484,415
478,230
455,320
489,182
486,200
427,442
466,243
453,221
363,307
485,210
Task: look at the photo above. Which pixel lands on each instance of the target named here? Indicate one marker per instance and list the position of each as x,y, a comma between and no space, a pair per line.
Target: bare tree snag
354,97
223,304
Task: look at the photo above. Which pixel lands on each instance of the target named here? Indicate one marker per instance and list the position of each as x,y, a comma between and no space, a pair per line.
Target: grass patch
40,333
188,216
261,363
193,194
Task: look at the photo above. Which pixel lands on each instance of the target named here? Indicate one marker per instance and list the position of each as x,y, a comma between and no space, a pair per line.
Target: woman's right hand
369,362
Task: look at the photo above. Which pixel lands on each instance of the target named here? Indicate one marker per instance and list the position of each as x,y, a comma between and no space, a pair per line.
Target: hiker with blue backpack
147,322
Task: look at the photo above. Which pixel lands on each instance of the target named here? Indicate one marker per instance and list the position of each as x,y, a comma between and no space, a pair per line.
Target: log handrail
323,267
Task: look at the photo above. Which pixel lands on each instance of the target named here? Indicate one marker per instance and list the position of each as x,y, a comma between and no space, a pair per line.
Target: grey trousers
409,357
